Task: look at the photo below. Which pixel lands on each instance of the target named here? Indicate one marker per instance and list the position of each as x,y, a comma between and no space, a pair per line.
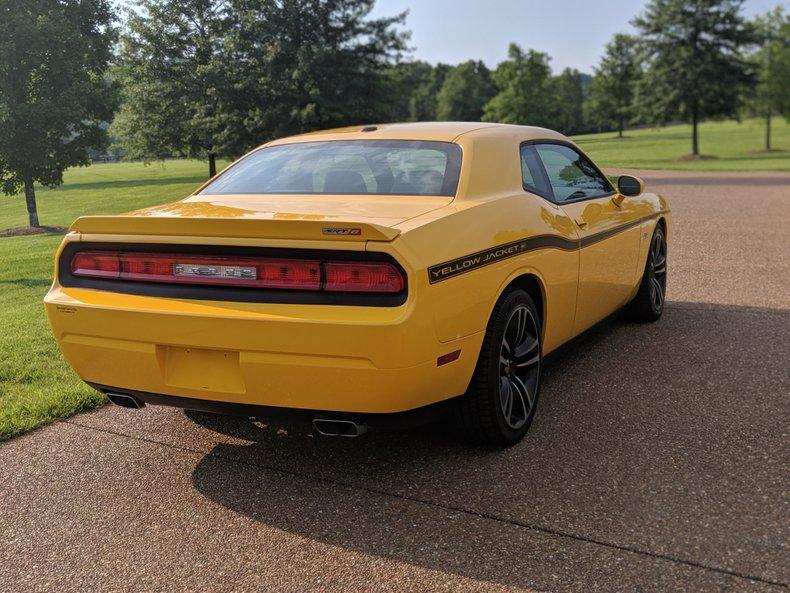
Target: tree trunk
768,131
694,134
30,199
212,165
620,128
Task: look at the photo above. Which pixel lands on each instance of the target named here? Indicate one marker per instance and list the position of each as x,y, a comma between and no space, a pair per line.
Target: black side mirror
630,186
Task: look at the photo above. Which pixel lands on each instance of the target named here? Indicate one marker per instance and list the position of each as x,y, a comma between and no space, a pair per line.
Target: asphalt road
658,461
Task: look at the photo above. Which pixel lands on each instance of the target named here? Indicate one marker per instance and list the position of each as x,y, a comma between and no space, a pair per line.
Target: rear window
357,167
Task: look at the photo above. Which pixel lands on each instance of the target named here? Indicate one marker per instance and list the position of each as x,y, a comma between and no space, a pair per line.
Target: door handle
582,223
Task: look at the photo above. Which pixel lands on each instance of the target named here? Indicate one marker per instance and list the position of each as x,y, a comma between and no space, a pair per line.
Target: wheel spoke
528,362
505,397
528,354
658,292
524,395
521,325
657,244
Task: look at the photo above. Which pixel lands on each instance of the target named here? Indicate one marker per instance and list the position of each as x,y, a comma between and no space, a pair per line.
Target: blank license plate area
201,369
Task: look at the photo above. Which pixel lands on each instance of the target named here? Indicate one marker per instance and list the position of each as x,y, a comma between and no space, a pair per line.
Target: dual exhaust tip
124,400
324,426
338,428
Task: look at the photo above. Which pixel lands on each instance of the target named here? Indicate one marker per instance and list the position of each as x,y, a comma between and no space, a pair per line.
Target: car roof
442,131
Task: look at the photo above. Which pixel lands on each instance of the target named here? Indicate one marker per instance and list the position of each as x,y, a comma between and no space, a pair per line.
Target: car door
609,242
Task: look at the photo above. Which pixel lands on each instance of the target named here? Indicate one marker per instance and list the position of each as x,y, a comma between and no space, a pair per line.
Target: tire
648,304
500,403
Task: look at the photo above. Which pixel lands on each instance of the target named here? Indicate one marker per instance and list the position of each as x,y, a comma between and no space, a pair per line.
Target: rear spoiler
181,226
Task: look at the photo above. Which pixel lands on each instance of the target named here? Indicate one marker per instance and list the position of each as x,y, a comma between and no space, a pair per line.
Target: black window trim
551,198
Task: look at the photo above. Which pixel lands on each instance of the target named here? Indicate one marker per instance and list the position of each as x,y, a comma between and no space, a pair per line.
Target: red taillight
254,272
96,264
362,277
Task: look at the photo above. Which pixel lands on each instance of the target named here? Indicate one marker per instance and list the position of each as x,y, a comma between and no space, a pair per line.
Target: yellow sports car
363,276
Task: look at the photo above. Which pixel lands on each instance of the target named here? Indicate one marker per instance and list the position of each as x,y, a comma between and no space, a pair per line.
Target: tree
569,102
612,87
415,86
404,79
54,95
695,65
422,105
174,81
772,62
299,65
524,94
464,93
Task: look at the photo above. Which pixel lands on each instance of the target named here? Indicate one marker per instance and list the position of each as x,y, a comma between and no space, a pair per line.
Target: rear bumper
347,359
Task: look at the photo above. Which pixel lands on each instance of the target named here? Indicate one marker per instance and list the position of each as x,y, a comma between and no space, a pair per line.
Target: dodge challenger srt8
361,277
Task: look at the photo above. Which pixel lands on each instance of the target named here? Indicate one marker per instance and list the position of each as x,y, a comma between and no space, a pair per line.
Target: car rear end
206,304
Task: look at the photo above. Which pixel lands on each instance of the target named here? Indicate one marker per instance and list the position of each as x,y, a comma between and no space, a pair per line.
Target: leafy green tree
209,78
612,88
695,62
174,81
466,89
772,62
524,89
422,104
569,102
406,78
54,95
414,89
299,65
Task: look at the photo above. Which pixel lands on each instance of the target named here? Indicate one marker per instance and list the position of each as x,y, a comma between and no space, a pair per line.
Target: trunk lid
354,218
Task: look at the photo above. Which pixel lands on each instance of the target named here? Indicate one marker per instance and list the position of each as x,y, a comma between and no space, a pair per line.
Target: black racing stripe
467,263
592,239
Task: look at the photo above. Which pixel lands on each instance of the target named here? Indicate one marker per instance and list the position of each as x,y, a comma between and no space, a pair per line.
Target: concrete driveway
658,461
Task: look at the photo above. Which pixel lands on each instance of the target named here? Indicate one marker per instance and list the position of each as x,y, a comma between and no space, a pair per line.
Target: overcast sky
572,32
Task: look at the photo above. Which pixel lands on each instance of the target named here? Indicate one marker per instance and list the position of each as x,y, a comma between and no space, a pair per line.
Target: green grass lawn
36,385
107,189
734,145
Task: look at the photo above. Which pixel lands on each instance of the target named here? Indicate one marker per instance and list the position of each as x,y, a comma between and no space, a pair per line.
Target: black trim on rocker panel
226,293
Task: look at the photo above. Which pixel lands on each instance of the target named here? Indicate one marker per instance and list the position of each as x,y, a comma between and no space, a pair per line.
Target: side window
532,176
572,177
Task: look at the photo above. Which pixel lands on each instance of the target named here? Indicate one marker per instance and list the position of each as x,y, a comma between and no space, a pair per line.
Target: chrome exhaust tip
125,401
338,428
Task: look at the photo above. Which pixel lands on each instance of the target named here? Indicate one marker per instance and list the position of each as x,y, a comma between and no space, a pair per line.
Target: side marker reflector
450,357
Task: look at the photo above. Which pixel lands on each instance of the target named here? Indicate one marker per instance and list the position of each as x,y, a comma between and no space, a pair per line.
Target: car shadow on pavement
651,443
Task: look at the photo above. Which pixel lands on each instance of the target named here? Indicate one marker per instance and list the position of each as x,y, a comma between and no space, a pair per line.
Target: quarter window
572,177
533,178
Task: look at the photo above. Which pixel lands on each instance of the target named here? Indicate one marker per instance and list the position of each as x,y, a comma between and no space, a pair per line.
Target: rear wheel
499,406
648,304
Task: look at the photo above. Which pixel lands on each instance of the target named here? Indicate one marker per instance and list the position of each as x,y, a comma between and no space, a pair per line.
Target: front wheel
500,403
648,304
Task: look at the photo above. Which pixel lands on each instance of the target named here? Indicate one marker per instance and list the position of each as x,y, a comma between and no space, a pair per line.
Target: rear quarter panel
462,303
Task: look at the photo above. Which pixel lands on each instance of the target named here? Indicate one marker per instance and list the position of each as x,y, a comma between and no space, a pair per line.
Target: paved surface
658,461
